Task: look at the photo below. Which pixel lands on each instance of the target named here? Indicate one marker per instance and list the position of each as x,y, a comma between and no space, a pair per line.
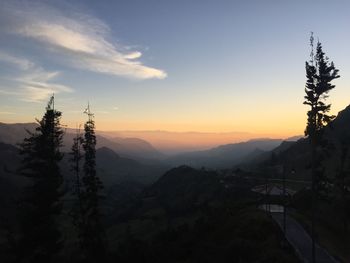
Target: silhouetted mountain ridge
114,169
128,147
224,156
297,155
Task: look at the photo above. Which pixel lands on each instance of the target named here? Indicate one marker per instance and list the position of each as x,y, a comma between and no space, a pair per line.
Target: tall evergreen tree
41,238
93,233
76,160
319,73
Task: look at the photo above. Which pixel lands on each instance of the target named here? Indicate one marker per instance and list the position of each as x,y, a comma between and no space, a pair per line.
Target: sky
205,66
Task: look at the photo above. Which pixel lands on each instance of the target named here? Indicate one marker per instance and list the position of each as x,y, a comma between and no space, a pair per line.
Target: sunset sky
208,66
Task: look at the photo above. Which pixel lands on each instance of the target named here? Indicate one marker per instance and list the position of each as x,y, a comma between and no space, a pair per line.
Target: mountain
15,133
172,143
11,184
224,156
128,147
297,155
259,156
340,128
9,163
134,147
184,186
114,169
294,138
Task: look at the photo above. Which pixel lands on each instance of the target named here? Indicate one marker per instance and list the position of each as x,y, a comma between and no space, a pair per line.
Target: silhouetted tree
319,73
76,159
93,233
41,238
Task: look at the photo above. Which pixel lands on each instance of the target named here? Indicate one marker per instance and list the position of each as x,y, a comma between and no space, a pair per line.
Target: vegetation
92,233
41,239
319,73
77,208
194,215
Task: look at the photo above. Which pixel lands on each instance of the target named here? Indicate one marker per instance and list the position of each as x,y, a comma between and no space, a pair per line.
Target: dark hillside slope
190,215
224,156
115,169
297,155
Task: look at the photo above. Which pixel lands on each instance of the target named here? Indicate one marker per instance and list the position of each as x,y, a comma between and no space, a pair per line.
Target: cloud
23,64
37,94
133,55
33,83
82,40
7,113
102,112
37,86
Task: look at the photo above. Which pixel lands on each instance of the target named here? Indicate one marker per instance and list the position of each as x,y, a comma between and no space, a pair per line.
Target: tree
41,238
76,158
319,73
93,233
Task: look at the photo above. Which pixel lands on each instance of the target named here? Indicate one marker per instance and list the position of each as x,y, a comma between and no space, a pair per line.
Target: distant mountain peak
107,151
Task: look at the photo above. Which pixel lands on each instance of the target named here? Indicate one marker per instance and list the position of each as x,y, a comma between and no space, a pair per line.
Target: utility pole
267,206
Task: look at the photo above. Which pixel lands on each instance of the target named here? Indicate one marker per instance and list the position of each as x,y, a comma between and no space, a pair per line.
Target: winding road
301,241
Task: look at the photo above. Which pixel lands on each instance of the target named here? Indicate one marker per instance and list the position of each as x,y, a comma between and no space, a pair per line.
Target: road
301,241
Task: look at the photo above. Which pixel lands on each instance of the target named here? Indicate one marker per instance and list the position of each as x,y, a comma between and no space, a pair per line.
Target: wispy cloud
22,63
102,112
33,83
82,40
7,113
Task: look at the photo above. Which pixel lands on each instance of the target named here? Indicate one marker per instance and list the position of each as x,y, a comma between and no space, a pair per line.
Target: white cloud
35,94
37,86
33,83
82,40
133,55
23,64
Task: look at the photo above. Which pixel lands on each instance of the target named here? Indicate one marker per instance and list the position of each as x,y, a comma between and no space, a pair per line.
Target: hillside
297,155
224,156
113,168
188,215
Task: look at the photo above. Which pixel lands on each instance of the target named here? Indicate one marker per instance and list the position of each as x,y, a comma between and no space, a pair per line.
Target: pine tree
319,73
76,159
41,238
93,233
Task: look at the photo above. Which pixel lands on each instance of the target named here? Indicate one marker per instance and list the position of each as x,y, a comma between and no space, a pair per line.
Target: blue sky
169,65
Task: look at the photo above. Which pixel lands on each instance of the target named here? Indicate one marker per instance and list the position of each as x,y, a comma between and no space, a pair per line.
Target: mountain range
172,142
126,147
225,156
297,155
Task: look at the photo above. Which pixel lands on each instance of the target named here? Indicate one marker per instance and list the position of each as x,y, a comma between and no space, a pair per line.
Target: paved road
301,241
